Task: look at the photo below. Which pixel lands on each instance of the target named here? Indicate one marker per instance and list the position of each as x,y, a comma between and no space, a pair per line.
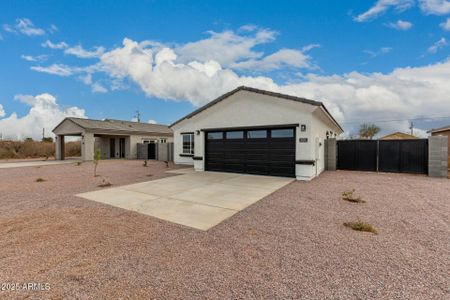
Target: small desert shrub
79,163
348,196
40,179
361,226
105,183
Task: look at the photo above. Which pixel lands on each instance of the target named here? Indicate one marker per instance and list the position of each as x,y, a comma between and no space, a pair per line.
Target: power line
397,120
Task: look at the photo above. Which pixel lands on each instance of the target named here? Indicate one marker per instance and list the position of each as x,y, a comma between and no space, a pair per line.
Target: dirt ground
291,244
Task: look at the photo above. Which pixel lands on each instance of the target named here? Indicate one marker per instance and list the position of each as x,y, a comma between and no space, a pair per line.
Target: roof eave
258,91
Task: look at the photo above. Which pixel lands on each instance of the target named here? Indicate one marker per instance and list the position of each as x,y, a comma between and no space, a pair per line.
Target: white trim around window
188,143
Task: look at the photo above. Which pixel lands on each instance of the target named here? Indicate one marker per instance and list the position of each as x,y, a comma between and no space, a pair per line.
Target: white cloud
225,47
38,58
381,51
80,52
167,79
381,6
437,46
435,7
24,26
248,27
152,122
44,112
2,111
55,69
53,28
446,25
213,56
98,88
281,58
77,50
49,44
401,94
400,25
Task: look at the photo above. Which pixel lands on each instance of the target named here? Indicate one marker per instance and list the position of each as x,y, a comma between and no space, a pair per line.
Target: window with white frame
188,143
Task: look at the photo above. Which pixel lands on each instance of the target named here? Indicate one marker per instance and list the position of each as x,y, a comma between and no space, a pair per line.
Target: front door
151,150
112,148
122,147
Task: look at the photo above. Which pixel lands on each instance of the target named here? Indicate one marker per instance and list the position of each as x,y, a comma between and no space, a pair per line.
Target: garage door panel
264,156
261,168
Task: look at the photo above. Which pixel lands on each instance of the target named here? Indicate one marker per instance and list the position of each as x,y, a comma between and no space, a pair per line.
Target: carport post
59,147
87,146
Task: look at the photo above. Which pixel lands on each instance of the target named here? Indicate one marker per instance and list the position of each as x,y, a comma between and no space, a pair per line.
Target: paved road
35,163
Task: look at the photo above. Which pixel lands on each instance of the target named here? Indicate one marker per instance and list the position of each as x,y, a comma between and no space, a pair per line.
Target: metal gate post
378,153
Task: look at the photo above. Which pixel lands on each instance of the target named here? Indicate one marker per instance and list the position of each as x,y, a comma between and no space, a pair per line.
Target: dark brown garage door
268,151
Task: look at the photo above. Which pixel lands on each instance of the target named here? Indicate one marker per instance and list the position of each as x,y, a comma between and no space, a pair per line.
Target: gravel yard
291,244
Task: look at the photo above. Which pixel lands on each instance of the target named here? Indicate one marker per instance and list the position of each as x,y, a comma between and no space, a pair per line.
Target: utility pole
138,116
43,133
411,127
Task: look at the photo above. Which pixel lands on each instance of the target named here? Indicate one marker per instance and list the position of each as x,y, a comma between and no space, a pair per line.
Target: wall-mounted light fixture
328,134
197,132
303,127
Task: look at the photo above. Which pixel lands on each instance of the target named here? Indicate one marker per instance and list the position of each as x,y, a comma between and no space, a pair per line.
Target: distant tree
368,131
28,139
47,140
97,157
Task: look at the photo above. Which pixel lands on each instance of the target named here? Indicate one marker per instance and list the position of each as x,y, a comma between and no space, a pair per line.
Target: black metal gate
360,155
403,156
400,156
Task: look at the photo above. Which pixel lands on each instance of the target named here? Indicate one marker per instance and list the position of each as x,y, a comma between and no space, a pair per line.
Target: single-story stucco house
398,136
254,131
114,138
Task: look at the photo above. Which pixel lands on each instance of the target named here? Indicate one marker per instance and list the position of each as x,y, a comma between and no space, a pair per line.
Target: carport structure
114,138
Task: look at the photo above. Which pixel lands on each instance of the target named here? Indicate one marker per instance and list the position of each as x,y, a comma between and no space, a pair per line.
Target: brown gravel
292,244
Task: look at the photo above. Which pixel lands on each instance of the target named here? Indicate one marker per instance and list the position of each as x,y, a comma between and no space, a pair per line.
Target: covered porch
114,138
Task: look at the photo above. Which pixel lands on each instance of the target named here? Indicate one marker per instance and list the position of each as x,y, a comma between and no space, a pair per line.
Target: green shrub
348,196
361,226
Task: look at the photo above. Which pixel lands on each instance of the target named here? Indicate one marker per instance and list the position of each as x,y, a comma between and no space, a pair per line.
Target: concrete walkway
35,163
199,200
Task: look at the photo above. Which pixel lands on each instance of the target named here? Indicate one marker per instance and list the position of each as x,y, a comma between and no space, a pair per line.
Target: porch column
59,147
87,146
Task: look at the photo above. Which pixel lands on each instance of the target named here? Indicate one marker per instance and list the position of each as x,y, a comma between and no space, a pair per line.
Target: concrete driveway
199,200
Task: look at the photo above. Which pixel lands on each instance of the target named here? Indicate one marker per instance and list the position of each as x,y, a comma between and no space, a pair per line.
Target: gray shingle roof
119,125
258,91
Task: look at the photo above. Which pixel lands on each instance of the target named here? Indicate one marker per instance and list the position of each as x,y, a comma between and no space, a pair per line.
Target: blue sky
367,60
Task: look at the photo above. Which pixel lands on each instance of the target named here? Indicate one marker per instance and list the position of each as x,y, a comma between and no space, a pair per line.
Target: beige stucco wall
247,109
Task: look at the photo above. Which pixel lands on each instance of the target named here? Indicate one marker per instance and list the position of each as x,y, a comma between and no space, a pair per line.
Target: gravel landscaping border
291,244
